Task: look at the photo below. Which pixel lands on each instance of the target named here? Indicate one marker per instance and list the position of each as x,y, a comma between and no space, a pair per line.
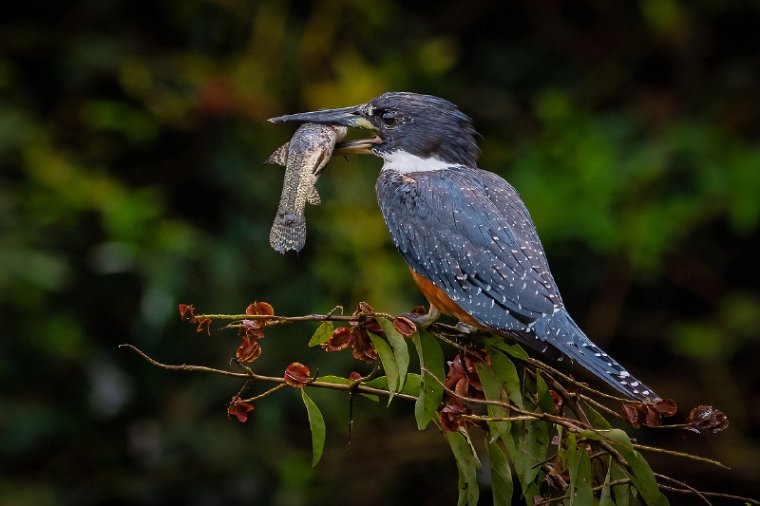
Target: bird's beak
346,116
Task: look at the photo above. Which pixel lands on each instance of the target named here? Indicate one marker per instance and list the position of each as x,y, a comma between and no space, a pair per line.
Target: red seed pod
248,351
652,418
259,309
405,326
704,418
450,416
252,329
666,407
354,376
374,327
187,312
363,307
557,402
632,414
239,409
204,325
297,375
368,354
340,339
361,345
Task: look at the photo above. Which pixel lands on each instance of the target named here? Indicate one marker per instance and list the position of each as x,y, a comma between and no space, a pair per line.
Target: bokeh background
132,136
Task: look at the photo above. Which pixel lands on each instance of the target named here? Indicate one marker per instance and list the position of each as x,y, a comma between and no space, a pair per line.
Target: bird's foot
424,320
465,328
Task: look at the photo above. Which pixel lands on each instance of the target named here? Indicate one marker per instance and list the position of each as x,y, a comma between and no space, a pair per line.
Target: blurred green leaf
431,361
494,389
400,348
621,493
119,117
317,426
388,359
411,386
501,475
605,497
322,334
339,380
579,467
467,464
641,474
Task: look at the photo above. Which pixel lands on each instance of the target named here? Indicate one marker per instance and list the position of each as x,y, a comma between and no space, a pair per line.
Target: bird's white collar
403,162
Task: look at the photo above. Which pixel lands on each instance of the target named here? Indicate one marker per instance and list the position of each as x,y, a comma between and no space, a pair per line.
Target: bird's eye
390,118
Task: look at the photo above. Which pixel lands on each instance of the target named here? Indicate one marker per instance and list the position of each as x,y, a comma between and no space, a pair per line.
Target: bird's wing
469,233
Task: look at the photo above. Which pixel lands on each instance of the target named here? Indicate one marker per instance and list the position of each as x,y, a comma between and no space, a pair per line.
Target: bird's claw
465,328
423,321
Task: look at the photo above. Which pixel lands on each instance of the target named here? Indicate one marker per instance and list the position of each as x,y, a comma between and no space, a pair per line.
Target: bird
465,233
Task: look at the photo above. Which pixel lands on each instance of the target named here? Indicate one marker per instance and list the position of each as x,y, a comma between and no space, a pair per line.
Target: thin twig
674,453
278,319
686,487
272,379
448,335
613,483
599,406
559,420
264,394
568,379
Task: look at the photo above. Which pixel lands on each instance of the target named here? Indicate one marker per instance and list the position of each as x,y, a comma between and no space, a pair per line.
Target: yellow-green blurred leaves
622,187
121,118
718,336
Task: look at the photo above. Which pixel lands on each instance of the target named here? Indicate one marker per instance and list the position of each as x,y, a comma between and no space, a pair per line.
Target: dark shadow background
132,136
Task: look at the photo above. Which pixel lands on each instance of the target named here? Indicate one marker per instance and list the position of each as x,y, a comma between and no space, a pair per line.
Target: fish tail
288,232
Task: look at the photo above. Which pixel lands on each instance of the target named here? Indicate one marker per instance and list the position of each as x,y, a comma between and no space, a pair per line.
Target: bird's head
424,126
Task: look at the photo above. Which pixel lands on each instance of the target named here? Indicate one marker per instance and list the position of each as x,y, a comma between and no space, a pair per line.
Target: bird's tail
563,333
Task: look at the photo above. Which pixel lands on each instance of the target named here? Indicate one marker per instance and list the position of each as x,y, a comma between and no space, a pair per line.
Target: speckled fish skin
304,158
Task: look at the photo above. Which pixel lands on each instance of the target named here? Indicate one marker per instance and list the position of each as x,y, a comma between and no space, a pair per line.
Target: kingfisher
465,233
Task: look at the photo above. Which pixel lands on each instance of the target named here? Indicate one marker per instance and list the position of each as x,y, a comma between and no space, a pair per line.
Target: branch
674,453
270,379
577,402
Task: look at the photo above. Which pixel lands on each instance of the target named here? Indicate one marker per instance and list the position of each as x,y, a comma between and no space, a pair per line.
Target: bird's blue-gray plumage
466,230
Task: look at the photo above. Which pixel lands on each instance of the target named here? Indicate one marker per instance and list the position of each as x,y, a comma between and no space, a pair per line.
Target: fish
304,157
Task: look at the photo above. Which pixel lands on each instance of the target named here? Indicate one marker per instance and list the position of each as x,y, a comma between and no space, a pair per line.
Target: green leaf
596,419
531,439
467,464
502,487
514,349
579,467
545,401
431,360
400,348
411,387
340,380
322,334
621,493
567,446
506,371
494,390
605,499
317,426
642,477
388,360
